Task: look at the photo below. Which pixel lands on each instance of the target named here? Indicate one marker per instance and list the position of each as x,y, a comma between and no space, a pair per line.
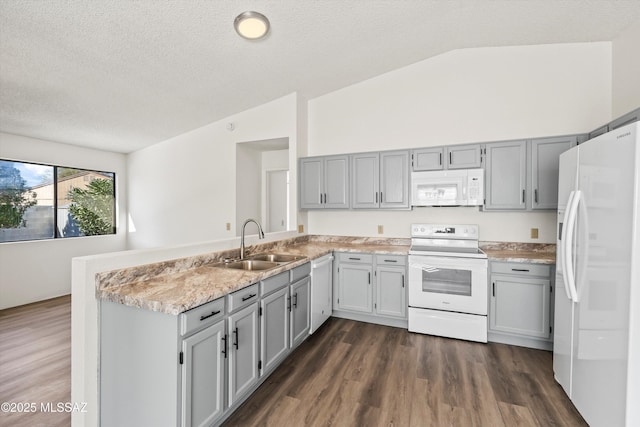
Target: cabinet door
336,182
505,175
354,288
545,161
520,306
243,351
365,178
311,183
463,156
203,372
274,328
390,291
600,131
300,311
394,179
427,159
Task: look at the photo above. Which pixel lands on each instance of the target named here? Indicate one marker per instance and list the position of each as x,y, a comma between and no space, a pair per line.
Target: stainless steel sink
249,265
279,258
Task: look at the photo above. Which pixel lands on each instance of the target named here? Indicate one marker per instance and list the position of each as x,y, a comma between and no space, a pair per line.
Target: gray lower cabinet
520,304
324,182
243,351
506,175
391,295
274,328
203,376
380,180
354,283
300,294
371,288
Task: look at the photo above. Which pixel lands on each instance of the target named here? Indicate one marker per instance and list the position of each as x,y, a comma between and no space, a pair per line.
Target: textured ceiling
122,75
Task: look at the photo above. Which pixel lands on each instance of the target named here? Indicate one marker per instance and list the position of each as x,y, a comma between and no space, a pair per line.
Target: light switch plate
380,229
300,228
228,226
534,233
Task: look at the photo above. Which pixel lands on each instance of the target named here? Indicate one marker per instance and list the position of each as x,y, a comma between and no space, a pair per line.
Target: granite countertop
173,287
533,253
179,285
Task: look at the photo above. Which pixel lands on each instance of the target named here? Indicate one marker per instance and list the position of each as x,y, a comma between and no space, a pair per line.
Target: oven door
448,283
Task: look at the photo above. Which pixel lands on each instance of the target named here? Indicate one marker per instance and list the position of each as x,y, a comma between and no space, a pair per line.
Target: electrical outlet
534,233
300,228
228,226
380,229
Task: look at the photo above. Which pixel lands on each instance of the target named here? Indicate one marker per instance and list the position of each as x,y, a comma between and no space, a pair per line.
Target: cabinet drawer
300,272
242,298
204,315
274,283
357,258
391,260
521,269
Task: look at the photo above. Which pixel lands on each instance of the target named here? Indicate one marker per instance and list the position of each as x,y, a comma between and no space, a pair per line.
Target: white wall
626,71
248,185
36,270
183,190
469,95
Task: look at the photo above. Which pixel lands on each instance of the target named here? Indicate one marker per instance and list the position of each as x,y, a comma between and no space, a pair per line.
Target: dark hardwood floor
346,374
35,361
358,374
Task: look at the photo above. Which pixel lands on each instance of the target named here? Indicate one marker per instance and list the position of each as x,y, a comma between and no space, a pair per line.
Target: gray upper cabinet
545,160
597,132
427,159
365,181
506,175
324,182
630,117
380,180
466,156
394,179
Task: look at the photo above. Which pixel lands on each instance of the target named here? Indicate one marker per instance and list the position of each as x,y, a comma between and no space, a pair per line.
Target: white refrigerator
596,354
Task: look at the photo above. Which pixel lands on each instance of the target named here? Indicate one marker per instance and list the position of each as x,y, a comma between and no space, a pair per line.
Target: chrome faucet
260,234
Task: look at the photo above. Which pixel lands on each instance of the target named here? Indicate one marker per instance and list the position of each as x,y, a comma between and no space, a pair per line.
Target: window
46,202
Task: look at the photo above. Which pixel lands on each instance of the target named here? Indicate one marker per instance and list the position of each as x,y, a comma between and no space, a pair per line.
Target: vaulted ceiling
120,75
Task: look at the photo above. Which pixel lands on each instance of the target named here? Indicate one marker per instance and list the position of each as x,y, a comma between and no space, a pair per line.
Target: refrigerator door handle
563,241
569,273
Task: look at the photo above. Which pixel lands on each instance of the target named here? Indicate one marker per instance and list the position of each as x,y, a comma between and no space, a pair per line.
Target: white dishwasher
321,291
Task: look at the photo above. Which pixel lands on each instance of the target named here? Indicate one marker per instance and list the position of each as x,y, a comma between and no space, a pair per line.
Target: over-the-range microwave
457,187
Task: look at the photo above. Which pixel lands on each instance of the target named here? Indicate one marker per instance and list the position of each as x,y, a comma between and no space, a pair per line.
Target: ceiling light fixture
251,25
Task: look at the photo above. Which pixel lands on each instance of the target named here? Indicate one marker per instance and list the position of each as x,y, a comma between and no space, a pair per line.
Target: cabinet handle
248,297
376,197
450,158
325,198
354,258
381,197
295,300
390,260
535,195
369,278
213,313
403,280
440,159
493,289
237,339
320,198
224,338
289,303
520,269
